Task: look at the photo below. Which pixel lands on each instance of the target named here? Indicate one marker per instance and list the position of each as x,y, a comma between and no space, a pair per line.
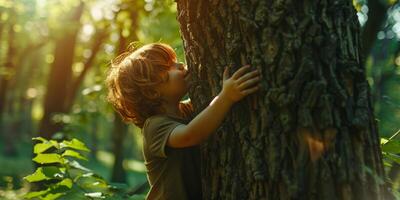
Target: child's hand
241,83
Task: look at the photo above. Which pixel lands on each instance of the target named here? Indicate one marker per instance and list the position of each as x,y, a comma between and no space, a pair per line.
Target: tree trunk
10,68
310,132
94,136
376,17
120,130
98,41
59,78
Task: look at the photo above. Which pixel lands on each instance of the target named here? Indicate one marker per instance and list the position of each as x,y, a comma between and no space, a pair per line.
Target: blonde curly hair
132,79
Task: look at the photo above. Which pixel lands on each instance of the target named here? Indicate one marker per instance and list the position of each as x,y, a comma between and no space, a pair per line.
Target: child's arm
206,122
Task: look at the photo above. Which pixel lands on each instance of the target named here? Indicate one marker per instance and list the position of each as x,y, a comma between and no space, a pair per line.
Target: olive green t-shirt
173,173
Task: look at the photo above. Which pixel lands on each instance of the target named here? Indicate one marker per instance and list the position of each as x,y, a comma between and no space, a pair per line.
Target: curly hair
133,77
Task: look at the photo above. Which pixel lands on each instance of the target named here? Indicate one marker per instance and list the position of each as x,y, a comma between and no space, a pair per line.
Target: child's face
178,84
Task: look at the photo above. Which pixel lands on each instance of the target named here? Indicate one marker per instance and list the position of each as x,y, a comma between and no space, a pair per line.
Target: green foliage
391,149
64,177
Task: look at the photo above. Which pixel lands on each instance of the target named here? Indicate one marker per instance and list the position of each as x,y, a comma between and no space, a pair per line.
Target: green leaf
386,163
74,144
46,173
75,193
94,194
383,140
54,172
31,195
55,144
52,196
38,175
75,164
48,158
74,154
41,147
393,146
392,157
40,139
93,181
66,182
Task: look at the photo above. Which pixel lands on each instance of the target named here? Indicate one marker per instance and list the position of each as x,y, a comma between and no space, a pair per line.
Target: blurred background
54,55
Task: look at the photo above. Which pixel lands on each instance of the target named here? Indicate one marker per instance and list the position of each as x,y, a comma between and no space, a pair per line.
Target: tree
310,132
60,76
9,67
376,18
63,86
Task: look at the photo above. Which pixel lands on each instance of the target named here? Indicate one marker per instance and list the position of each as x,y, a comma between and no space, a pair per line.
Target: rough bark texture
310,132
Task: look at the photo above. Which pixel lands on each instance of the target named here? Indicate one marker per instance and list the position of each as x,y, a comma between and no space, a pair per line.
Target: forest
324,126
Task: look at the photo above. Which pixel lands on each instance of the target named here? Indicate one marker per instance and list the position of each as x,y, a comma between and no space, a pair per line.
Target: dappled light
261,99
318,142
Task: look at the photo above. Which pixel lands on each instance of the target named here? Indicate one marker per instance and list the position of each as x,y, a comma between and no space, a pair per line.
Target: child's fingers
251,90
225,76
240,72
250,82
248,76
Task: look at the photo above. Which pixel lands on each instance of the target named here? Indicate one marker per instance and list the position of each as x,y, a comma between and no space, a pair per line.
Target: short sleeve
156,133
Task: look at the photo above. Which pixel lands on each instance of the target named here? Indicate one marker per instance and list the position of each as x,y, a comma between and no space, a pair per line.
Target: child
146,86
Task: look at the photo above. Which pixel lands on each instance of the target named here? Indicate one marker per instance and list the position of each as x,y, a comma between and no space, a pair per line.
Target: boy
146,86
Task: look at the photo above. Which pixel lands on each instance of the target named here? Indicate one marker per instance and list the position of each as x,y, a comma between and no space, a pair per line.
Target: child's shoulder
156,117
159,118
163,120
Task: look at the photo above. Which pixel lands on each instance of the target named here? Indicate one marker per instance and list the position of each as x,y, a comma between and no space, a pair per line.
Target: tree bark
60,77
310,132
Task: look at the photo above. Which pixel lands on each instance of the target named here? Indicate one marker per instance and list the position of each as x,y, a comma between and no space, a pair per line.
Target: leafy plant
391,149
64,177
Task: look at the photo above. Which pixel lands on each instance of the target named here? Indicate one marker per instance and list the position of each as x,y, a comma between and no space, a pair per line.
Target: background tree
61,74
311,131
